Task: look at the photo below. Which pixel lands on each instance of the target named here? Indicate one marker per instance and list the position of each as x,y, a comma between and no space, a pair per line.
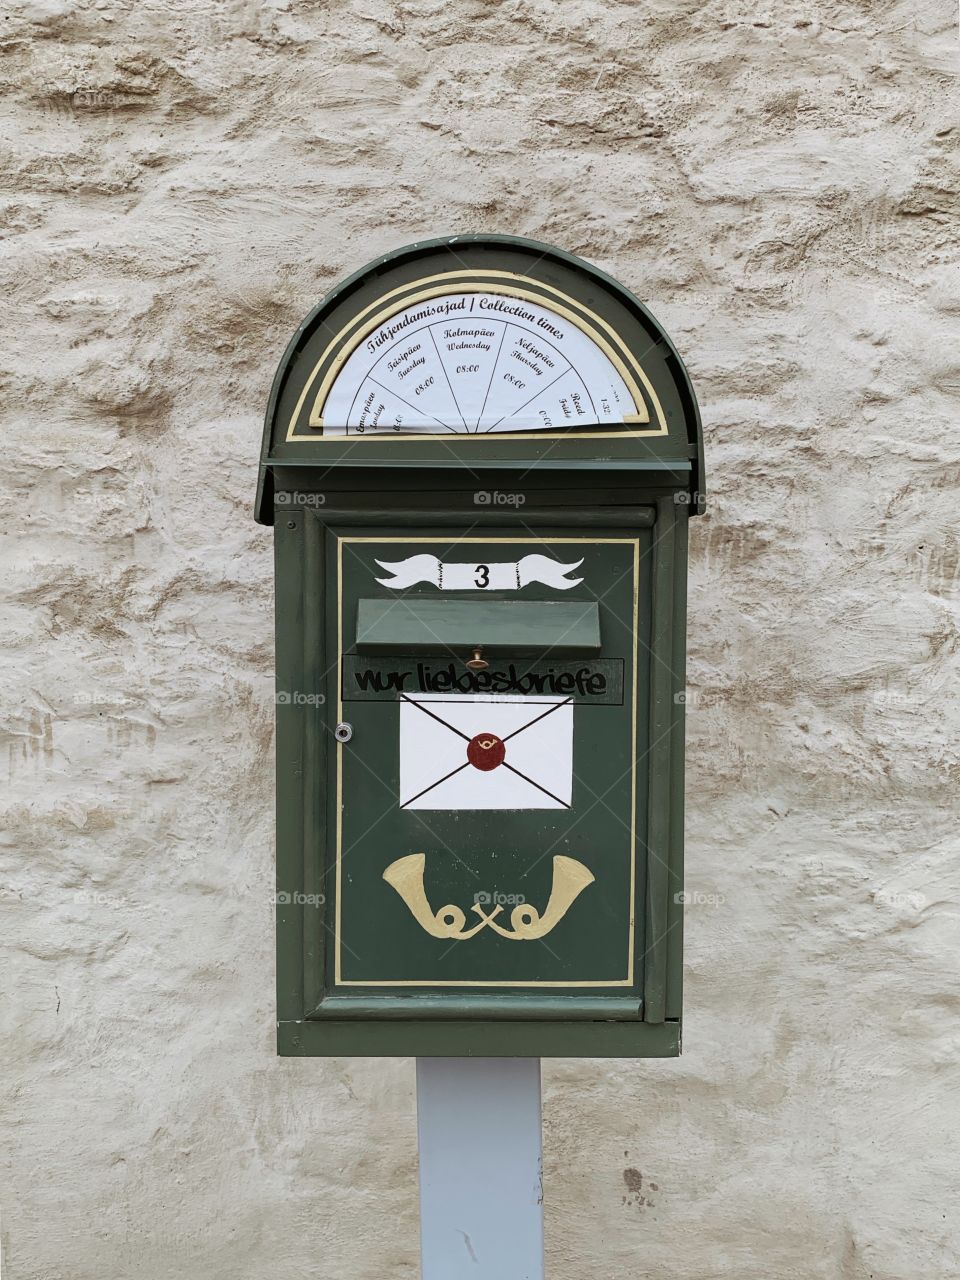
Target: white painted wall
180,183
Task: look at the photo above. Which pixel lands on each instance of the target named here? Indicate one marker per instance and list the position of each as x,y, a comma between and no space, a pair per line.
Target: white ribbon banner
479,576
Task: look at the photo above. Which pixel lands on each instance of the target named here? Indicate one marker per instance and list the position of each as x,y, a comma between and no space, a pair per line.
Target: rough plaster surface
180,182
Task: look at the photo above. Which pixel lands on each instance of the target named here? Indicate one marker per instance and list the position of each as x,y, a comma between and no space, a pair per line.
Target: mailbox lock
343,732
478,662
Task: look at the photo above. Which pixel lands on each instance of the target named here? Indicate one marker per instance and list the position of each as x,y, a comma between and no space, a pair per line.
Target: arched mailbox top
489,351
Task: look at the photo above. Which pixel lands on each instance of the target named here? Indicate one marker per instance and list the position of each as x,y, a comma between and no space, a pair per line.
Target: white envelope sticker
476,751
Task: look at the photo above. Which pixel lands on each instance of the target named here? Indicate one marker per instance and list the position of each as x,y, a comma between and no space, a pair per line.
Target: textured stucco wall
180,182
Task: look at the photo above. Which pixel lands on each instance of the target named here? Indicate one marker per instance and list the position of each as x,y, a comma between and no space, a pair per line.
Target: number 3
483,575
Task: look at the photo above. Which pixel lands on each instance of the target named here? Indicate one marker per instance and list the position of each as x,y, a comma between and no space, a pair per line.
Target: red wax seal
486,751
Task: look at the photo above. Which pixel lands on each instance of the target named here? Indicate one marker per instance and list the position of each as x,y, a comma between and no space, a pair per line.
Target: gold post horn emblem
570,878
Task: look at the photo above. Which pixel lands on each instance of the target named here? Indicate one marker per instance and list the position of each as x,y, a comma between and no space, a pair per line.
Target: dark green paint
520,627
644,489
493,1039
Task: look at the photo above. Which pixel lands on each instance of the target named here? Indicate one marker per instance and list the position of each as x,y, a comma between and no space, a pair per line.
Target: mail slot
495,626
480,460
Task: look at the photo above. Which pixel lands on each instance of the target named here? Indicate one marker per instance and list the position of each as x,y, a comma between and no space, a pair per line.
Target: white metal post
481,1190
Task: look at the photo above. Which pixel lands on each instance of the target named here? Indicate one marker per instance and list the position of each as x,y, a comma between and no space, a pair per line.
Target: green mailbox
480,457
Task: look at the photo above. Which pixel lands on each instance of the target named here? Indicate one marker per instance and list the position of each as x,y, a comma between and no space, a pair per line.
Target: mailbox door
453,879
485,825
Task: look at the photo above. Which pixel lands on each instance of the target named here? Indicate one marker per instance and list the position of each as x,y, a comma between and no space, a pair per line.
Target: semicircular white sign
473,363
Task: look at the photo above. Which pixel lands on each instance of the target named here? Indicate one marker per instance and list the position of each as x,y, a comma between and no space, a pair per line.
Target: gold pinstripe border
410,293
430,982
